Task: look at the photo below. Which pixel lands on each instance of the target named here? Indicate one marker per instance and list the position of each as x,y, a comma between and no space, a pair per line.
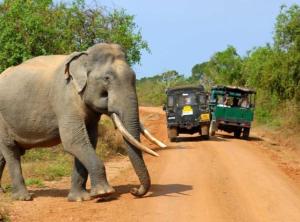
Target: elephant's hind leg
12,154
2,165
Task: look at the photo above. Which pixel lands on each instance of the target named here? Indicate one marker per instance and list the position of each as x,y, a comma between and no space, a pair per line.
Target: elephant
56,99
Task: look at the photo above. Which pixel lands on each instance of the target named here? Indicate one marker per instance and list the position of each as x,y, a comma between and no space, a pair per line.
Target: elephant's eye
107,77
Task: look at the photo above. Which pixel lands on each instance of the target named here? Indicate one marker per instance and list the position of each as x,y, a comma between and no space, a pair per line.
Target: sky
182,33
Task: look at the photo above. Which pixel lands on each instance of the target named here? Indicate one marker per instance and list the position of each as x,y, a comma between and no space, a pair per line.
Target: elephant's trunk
130,119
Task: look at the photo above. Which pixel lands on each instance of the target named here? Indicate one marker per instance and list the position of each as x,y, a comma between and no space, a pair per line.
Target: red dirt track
223,179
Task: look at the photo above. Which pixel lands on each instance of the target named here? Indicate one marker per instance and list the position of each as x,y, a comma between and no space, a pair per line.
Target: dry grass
110,141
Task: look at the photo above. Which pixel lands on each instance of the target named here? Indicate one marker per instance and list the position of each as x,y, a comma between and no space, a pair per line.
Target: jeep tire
237,133
246,133
212,128
172,134
204,131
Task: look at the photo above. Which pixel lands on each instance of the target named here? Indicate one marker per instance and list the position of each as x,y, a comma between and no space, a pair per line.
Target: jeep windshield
187,99
191,99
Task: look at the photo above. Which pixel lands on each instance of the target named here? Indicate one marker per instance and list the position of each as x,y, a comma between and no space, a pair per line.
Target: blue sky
182,33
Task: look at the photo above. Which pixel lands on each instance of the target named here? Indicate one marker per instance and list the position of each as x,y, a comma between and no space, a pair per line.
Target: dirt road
223,179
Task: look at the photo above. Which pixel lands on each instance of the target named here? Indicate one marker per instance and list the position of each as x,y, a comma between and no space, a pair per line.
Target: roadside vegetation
273,70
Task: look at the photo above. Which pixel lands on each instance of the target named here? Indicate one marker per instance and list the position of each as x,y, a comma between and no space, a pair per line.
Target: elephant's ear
75,68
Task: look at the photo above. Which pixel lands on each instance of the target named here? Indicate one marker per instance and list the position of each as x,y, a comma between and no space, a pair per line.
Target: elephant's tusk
129,137
150,137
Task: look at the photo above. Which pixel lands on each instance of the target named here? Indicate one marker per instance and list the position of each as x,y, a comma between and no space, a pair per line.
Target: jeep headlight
204,117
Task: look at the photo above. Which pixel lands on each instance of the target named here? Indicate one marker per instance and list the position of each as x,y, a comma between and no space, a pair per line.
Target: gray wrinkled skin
56,99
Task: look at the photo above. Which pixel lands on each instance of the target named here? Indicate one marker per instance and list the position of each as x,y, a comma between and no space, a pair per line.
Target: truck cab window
171,101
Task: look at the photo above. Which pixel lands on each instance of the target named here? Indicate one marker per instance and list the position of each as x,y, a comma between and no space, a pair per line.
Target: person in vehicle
244,102
226,100
187,100
235,102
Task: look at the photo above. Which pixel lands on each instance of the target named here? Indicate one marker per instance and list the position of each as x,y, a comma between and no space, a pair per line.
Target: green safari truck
232,110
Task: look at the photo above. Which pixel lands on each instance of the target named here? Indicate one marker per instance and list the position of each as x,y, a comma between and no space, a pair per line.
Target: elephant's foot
102,191
78,196
22,195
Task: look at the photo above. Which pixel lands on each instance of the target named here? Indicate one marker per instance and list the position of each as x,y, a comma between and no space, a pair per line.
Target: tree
287,44
287,29
31,28
170,77
198,71
225,67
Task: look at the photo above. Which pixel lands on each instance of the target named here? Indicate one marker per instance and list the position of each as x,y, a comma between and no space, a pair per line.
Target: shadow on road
158,189
172,190
199,139
227,136
255,138
217,139
50,192
189,139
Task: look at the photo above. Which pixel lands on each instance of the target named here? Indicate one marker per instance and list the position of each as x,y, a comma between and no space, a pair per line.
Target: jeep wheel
172,134
237,133
212,128
246,133
204,132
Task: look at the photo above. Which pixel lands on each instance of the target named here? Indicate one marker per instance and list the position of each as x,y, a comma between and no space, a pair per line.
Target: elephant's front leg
78,190
76,141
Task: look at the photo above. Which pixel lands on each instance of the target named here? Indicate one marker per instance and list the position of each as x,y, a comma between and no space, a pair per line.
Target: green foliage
198,71
46,164
225,67
56,171
31,28
151,90
42,154
287,46
34,182
287,29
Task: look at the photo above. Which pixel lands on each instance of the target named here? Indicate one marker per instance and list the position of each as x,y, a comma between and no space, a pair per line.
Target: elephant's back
45,62
41,65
